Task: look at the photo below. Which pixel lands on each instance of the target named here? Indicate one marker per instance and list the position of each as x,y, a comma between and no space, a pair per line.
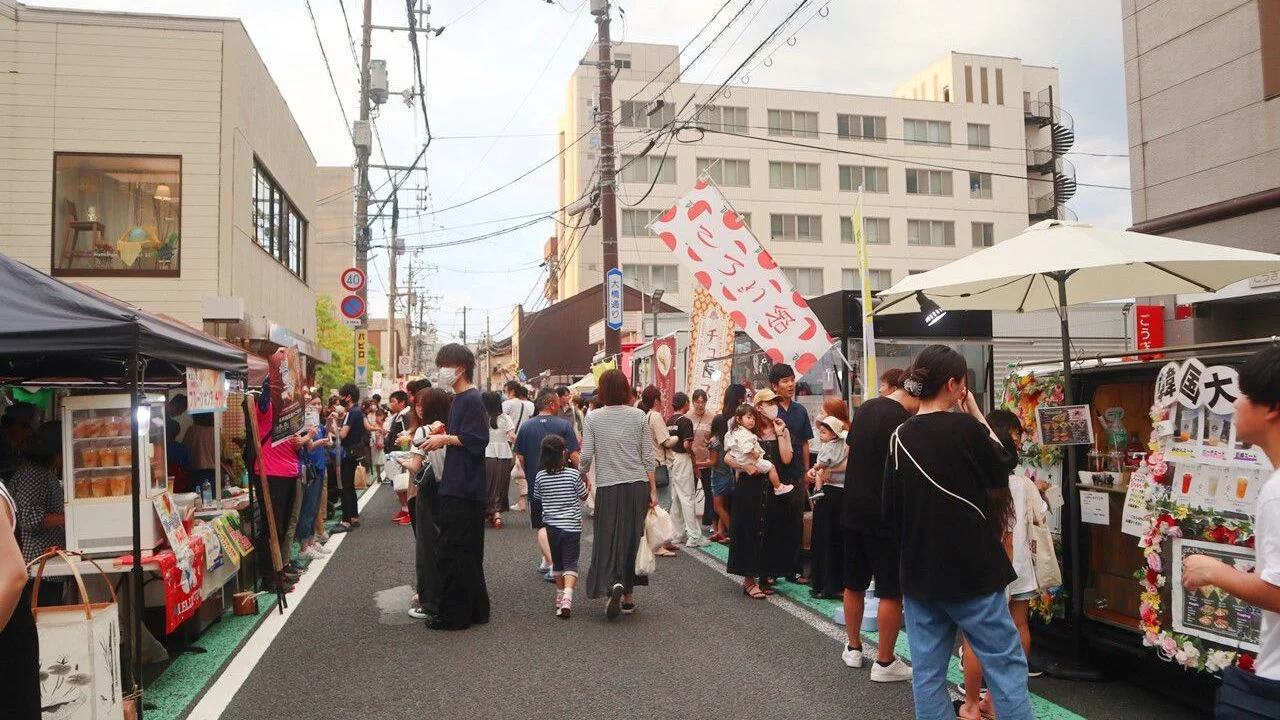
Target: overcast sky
500,68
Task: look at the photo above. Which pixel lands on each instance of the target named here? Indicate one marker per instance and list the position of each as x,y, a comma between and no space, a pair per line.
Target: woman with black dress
760,525
429,411
19,644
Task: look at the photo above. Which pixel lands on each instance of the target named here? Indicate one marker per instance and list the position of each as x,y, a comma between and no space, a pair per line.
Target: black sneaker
614,608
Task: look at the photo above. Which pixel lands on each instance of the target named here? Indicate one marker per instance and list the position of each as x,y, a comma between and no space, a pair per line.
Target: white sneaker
311,553
697,543
898,671
322,550
852,658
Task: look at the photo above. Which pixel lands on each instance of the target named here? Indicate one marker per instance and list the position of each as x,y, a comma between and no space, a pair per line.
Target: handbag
646,561
1244,696
1043,556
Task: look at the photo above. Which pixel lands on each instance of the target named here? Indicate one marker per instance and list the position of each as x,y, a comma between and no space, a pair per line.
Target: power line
333,83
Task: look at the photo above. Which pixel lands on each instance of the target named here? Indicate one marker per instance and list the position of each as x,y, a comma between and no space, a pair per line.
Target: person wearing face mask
782,379
463,595
942,466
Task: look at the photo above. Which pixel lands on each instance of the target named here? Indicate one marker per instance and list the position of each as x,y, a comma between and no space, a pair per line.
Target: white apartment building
963,156
153,158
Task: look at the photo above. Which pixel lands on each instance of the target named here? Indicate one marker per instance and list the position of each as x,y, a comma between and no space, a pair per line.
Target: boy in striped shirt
560,491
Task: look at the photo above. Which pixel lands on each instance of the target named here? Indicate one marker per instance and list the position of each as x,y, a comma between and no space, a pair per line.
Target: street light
657,297
932,312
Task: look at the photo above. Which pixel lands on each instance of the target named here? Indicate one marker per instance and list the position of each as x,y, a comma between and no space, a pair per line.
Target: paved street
696,648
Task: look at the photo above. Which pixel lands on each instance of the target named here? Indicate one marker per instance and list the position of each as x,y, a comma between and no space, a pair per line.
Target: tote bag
1043,556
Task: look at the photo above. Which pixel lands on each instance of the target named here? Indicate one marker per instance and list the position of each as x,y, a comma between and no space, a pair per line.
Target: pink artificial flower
1161,470
1155,459
1154,562
1150,639
1168,644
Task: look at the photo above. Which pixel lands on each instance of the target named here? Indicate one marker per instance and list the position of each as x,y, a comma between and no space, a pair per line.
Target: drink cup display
1242,487
1186,483
1213,486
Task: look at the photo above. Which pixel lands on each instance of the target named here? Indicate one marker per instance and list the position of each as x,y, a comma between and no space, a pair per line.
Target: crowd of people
915,498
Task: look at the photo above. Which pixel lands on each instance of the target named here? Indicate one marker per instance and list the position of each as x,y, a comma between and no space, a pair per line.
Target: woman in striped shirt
615,440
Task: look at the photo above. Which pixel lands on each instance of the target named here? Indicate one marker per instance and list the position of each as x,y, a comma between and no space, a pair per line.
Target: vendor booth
110,365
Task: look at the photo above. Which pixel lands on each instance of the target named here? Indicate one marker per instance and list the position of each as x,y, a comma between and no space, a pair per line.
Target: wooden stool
75,226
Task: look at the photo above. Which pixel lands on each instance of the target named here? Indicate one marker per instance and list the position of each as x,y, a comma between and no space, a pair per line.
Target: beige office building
333,230
153,158
1203,87
965,154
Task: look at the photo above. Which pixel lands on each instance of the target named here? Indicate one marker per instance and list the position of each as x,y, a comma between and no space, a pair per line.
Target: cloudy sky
496,78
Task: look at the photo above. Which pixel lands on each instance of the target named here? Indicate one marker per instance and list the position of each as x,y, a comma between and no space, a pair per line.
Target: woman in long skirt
615,442
430,406
498,459
760,519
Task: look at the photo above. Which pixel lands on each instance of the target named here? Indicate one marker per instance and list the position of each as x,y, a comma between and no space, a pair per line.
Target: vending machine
98,449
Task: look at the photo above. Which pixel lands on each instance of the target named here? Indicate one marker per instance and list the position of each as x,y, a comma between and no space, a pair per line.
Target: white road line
239,666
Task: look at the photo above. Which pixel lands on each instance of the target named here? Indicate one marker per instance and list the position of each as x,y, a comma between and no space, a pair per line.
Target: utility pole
488,354
393,352
363,143
464,325
608,206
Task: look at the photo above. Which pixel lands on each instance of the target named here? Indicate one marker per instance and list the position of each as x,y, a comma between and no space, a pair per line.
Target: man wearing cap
15,428
37,491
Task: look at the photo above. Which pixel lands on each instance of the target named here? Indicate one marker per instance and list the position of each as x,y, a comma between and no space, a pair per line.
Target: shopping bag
1043,557
362,477
646,562
657,528
79,651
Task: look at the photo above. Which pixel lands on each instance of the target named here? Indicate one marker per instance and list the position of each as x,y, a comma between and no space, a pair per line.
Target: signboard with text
286,393
1149,327
613,299
1210,612
710,348
206,390
362,358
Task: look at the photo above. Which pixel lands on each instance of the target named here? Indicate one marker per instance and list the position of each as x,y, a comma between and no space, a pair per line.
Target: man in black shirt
684,513
870,549
355,446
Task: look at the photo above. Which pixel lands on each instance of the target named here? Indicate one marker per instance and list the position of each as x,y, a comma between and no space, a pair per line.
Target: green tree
340,340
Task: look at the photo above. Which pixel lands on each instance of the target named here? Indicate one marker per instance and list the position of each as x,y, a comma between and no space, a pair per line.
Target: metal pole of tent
135,573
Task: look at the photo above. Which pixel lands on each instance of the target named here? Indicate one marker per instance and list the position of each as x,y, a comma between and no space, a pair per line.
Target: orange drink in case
1242,487
101,486
120,483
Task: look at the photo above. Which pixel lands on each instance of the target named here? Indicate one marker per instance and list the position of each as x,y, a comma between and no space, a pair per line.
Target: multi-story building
152,157
1203,87
966,153
333,230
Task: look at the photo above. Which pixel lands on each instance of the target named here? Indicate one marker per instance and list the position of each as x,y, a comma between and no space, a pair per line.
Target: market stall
110,362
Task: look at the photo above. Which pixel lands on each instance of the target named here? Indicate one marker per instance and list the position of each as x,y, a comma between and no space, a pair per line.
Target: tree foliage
340,340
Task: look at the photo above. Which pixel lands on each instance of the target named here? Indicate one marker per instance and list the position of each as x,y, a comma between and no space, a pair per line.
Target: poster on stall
206,390
286,393
1210,612
664,370
719,250
1095,508
171,521
1132,520
710,348
1185,443
1065,425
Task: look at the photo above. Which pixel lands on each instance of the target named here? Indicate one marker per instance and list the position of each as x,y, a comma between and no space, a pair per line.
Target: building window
622,62
872,179
652,277
999,86
881,280
635,223
806,281
980,185
795,228
278,228
931,233
637,169
745,217
861,127
984,234
968,83
926,132
793,122
726,173
116,214
633,115
720,117
979,137
794,176
982,79
877,230
928,182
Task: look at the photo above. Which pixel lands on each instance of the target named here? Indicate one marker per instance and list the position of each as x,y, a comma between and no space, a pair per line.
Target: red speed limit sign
353,279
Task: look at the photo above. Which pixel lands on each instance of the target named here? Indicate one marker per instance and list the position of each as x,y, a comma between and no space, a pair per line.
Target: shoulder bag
1043,556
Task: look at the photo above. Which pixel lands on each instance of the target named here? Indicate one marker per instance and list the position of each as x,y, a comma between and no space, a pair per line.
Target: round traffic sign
353,279
352,306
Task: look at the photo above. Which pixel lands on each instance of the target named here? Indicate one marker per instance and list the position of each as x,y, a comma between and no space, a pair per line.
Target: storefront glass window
116,214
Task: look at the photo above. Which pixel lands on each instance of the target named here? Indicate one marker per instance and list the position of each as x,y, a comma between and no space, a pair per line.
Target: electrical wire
329,69
465,13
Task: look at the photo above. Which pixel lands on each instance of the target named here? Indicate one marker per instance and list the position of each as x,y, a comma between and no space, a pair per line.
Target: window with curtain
926,132
796,228
979,137
636,169
635,223
793,123
861,127
794,176
877,230
874,179
725,172
984,234
931,233
928,182
881,280
980,185
806,281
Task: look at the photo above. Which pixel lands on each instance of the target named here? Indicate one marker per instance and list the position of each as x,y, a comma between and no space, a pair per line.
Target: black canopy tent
55,333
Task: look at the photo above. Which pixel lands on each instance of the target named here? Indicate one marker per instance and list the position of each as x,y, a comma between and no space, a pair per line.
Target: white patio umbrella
1055,264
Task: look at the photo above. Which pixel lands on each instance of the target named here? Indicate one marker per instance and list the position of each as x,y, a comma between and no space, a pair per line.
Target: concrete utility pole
363,143
464,325
608,202
488,353
392,353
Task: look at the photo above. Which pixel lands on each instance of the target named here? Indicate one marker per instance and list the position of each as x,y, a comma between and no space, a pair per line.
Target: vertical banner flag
664,369
1149,328
725,258
868,369
710,336
286,393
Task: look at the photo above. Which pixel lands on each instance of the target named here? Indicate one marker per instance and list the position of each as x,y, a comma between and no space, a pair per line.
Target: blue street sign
352,307
613,299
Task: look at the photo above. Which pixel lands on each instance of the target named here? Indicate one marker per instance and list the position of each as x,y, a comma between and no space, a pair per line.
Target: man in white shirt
1258,422
518,408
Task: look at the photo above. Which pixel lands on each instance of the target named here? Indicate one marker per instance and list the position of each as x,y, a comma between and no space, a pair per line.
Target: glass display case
97,465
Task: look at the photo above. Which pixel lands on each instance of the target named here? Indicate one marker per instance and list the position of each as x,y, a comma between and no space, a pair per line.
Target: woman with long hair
662,440
498,458
429,411
941,470
721,473
759,517
616,441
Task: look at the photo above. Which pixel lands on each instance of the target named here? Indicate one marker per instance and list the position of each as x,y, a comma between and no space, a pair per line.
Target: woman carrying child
561,491
826,578
758,525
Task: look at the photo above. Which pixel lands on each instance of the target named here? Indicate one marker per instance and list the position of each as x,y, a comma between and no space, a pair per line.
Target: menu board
1065,425
1214,487
1196,419
1209,612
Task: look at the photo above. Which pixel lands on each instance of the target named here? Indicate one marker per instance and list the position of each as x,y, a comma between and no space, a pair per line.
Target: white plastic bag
657,528
646,562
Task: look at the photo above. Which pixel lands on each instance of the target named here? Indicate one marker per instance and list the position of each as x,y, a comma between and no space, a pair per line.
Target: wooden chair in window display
101,251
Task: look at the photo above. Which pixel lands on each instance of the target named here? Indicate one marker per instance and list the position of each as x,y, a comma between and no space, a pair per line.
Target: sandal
754,592
663,552
767,588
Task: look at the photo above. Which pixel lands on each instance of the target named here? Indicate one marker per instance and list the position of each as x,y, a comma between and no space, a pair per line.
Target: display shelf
104,467
102,437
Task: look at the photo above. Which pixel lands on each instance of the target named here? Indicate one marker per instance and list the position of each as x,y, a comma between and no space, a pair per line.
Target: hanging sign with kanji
723,255
1196,418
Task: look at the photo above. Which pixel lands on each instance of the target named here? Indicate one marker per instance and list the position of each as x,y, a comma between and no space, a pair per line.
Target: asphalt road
696,648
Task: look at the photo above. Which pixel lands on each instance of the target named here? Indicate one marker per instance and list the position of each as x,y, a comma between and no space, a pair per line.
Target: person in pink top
280,461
